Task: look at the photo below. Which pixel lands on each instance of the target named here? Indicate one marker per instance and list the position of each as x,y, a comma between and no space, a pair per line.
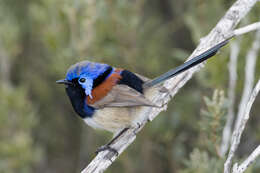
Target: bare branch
247,162
232,66
248,85
249,76
246,29
237,133
221,32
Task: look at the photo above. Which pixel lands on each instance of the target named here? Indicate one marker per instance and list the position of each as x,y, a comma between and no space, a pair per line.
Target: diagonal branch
241,168
249,76
222,31
248,86
234,50
237,134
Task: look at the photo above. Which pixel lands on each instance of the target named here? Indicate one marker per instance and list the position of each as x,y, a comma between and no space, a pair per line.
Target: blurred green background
40,39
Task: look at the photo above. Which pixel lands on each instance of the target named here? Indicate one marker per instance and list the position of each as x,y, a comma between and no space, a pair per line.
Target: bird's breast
111,119
114,119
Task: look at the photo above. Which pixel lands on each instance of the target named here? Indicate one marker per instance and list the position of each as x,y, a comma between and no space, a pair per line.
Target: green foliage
206,159
201,162
17,120
212,121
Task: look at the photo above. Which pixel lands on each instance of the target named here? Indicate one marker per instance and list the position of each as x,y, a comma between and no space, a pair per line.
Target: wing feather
123,96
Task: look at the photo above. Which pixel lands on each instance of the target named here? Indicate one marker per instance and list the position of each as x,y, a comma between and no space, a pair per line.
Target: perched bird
109,98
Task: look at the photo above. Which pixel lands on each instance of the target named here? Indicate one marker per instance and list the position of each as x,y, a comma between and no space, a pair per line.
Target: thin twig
248,85
246,29
237,134
249,76
251,159
221,32
232,66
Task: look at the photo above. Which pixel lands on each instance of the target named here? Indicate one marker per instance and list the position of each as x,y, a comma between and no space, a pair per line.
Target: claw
137,128
107,147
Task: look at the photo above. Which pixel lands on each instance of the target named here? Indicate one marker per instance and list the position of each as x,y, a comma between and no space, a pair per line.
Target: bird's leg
107,146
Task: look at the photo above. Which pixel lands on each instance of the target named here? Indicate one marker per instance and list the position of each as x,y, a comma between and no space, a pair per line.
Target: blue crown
86,68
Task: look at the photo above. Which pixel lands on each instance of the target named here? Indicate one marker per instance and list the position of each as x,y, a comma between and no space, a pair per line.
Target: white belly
113,119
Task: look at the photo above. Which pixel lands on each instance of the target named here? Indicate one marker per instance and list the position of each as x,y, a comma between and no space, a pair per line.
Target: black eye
82,80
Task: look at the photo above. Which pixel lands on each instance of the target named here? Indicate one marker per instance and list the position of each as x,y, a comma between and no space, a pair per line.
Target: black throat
78,97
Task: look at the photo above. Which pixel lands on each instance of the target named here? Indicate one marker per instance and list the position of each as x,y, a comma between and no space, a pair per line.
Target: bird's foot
106,147
164,90
137,127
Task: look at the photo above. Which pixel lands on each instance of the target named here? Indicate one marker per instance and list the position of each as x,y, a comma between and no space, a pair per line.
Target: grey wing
123,96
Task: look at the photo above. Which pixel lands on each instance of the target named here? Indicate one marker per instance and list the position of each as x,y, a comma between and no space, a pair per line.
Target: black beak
64,81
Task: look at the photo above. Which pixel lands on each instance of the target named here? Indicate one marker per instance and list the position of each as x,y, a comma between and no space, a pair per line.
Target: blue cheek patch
87,85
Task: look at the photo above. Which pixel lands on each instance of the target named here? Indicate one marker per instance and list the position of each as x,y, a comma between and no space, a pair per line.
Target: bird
109,98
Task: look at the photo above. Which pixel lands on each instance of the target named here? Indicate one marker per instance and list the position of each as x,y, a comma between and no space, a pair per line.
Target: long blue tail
187,65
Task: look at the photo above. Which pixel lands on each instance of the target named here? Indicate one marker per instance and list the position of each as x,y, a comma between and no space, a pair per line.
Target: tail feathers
187,65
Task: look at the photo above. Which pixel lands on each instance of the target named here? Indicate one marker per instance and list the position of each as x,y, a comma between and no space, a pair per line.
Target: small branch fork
245,105
222,31
247,162
237,135
247,29
249,76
